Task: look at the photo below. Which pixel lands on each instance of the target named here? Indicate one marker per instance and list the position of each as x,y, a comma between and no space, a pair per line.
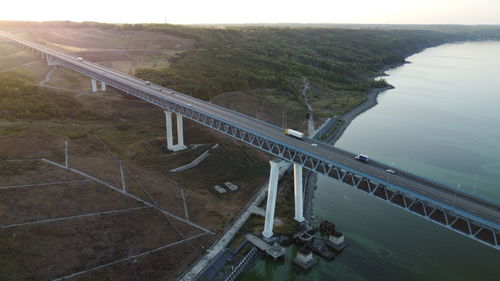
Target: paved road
486,211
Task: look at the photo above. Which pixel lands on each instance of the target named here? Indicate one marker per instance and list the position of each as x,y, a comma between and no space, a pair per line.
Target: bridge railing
171,104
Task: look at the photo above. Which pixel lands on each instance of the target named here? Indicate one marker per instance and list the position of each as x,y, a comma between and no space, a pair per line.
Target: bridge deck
460,211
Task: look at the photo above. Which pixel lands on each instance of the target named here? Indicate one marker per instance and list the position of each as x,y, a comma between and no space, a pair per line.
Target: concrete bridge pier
51,61
298,192
272,192
180,132
271,198
94,85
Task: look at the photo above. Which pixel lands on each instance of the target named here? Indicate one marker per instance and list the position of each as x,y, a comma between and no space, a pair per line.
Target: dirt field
118,226
121,50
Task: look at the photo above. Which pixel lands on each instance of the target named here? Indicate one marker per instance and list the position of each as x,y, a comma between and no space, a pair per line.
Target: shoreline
311,177
346,119
350,115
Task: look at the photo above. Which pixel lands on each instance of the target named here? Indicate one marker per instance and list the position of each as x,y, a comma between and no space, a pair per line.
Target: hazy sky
257,11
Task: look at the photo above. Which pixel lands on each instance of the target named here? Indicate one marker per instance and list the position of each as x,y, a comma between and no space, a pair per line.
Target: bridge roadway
486,212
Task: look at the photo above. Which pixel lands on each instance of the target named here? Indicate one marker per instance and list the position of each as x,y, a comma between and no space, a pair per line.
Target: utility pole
66,153
283,123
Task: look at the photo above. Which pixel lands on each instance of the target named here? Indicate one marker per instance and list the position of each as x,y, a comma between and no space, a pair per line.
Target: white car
390,171
314,144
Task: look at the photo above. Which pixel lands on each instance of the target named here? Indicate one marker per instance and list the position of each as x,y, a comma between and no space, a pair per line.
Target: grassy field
35,122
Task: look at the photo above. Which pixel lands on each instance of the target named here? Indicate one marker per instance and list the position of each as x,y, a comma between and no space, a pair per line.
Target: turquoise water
442,121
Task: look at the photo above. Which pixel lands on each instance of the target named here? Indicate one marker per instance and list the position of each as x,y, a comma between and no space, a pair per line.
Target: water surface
441,121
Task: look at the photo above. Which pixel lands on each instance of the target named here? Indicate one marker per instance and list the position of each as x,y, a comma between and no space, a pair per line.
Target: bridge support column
298,192
103,86
271,199
94,85
51,61
168,125
180,132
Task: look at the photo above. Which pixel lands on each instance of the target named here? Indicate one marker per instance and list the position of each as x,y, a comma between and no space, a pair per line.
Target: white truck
293,133
361,157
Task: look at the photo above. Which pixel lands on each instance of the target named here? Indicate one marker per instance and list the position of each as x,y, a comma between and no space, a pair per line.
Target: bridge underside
424,209
436,212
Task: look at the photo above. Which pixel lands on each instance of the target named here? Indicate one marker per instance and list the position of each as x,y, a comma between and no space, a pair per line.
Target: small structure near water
274,251
320,248
327,226
309,244
336,241
305,258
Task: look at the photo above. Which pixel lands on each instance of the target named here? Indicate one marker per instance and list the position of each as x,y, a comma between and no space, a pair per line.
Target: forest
20,99
243,58
233,58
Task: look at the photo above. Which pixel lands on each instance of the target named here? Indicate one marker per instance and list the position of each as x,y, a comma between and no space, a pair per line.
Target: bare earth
56,223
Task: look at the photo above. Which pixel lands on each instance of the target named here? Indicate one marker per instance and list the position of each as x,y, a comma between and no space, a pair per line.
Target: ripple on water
492,168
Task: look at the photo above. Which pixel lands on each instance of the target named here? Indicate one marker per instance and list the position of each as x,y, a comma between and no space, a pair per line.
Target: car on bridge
362,158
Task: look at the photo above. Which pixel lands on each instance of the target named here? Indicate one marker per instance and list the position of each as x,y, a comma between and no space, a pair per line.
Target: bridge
459,211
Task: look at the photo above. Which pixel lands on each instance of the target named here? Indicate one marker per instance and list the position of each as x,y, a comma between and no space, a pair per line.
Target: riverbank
339,125
424,83
345,120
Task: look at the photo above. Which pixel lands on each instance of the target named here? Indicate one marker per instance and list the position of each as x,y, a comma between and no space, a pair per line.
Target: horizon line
257,23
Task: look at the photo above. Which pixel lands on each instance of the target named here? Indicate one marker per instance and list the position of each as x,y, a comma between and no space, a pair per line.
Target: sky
256,11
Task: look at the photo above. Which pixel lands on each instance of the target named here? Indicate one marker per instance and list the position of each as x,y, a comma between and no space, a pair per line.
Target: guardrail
289,152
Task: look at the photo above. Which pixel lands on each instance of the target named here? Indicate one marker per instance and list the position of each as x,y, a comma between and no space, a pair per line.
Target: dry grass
122,50
267,105
133,131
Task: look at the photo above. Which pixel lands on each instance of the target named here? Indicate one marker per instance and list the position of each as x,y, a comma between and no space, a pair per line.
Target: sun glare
258,11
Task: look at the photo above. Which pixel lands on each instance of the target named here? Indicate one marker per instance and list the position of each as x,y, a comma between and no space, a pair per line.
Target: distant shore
347,118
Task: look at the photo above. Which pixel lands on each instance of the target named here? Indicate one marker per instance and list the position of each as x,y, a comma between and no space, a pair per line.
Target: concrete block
232,187
220,189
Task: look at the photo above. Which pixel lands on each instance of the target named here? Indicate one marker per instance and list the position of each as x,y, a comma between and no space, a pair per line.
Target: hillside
266,63
252,57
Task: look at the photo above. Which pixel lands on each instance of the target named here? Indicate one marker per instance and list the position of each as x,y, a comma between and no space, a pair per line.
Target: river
442,121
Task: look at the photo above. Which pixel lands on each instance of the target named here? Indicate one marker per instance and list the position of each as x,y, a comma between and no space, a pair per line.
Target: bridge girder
436,212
